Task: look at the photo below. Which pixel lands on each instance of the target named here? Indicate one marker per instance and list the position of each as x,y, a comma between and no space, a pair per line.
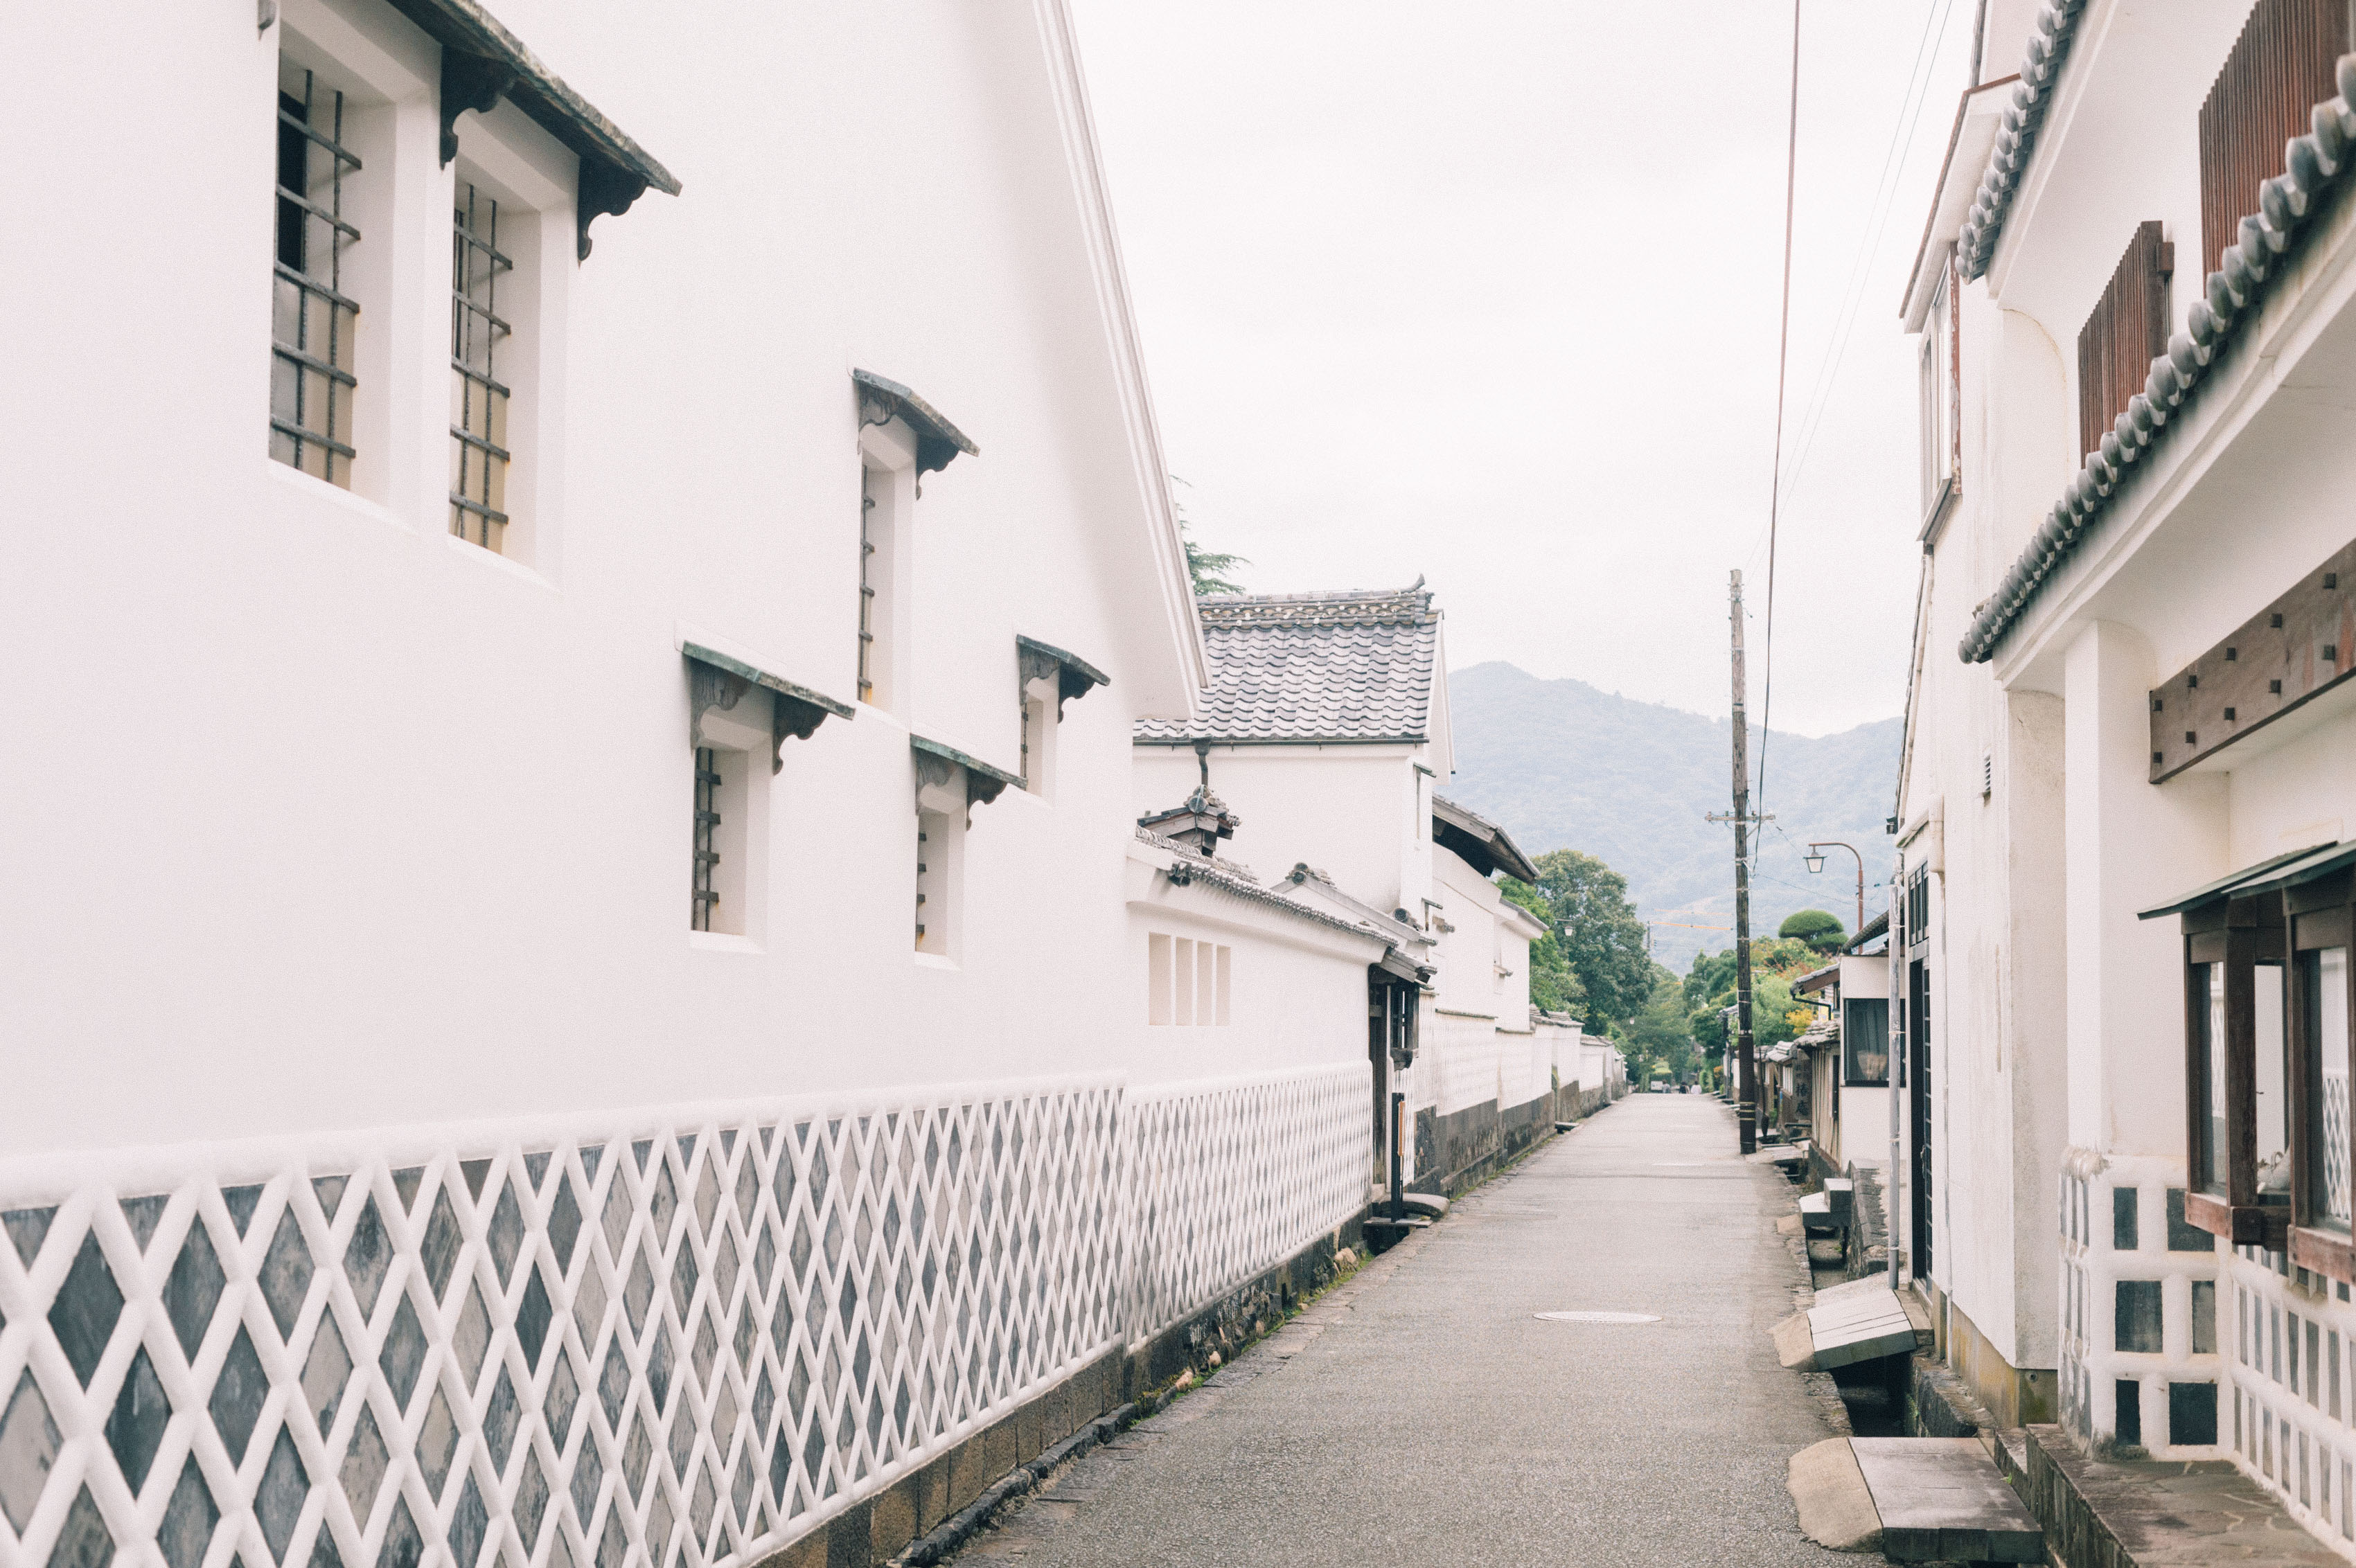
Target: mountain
1562,765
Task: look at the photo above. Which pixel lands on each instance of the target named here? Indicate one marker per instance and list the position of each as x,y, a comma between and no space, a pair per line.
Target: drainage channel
1873,1390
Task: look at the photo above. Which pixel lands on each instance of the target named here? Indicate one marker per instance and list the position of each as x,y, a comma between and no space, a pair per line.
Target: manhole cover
1599,1317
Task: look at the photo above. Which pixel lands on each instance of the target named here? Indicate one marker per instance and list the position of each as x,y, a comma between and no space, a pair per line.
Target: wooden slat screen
2127,329
2281,67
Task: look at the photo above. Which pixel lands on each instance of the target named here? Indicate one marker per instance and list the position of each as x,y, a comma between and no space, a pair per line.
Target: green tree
1770,1005
1820,929
1709,989
1591,924
1661,1032
1208,568
1553,987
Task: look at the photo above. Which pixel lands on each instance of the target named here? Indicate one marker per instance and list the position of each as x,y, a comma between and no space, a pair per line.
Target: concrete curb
1836,1507
954,1531
1795,1347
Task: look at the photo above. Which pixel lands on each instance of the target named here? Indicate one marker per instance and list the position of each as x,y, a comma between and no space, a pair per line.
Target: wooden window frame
2321,914
1850,1044
1942,377
2243,934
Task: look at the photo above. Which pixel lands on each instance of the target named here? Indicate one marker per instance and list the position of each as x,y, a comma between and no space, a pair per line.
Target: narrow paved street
1422,1413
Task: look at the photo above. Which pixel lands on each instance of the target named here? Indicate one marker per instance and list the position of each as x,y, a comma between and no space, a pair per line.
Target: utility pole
1746,1107
1746,1103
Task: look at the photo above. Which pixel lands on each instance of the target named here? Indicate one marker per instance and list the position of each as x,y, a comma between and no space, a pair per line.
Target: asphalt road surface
1423,1414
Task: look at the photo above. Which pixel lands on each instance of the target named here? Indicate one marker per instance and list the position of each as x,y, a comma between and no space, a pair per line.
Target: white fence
662,1339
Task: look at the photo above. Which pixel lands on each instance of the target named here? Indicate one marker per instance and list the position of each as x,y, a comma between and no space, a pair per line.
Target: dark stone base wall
881,1526
1459,1149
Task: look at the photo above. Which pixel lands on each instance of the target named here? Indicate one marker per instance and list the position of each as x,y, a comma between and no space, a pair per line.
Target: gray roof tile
1350,665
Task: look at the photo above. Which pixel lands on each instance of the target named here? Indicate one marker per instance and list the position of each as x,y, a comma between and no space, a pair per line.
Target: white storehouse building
1324,736
2119,993
611,1009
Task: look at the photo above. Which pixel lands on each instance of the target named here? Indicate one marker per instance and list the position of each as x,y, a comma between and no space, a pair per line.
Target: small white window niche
1045,678
740,718
901,438
511,230
949,784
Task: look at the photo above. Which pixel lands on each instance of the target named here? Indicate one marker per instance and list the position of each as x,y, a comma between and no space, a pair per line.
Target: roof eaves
1978,117
2236,291
2015,137
1200,867
2275,872
1491,838
937,440
482,62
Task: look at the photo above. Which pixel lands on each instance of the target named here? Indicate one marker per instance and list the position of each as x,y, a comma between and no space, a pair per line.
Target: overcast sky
1487,292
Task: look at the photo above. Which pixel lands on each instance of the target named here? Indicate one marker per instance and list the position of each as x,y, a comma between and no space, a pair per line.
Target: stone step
1941,1500
1859,1320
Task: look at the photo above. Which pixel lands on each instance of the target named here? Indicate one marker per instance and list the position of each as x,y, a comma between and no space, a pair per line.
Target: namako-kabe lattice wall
684,1336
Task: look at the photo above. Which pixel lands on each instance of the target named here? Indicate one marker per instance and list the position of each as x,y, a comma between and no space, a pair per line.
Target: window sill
2327,1253
935,961
495,561
720,942
335,496
2263,1225
1935,514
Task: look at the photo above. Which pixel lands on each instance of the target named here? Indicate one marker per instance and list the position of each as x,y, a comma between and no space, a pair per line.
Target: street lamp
1816,862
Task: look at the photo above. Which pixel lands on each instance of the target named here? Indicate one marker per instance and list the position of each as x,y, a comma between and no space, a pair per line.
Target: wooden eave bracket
938,443
1074,677
936,764
716,680
482,62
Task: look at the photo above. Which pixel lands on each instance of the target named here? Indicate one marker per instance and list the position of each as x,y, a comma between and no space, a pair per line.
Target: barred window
478,400
871,481
707,838
313,321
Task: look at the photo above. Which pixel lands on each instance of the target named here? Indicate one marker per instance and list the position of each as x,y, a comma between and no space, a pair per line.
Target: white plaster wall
1350,811
1299,988
405,830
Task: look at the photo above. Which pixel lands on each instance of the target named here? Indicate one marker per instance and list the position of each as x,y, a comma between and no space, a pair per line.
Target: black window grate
866,587
313,321
478,400
707,822
924,881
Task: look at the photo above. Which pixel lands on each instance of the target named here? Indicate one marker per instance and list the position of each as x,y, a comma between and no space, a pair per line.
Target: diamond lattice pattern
660,1345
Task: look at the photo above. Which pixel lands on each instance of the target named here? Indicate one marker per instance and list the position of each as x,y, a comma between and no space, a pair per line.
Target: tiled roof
1352,665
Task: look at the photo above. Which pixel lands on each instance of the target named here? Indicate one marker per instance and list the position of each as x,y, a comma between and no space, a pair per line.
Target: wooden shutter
2281,67
2127,329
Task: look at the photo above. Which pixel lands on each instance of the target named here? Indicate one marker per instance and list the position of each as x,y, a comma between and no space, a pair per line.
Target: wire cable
1782,364
1902,143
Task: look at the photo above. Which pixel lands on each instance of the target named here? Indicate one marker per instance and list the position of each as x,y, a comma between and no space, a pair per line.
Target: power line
1908,123
1782,364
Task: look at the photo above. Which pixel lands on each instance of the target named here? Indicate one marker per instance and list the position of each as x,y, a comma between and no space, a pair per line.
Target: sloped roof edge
1484,845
